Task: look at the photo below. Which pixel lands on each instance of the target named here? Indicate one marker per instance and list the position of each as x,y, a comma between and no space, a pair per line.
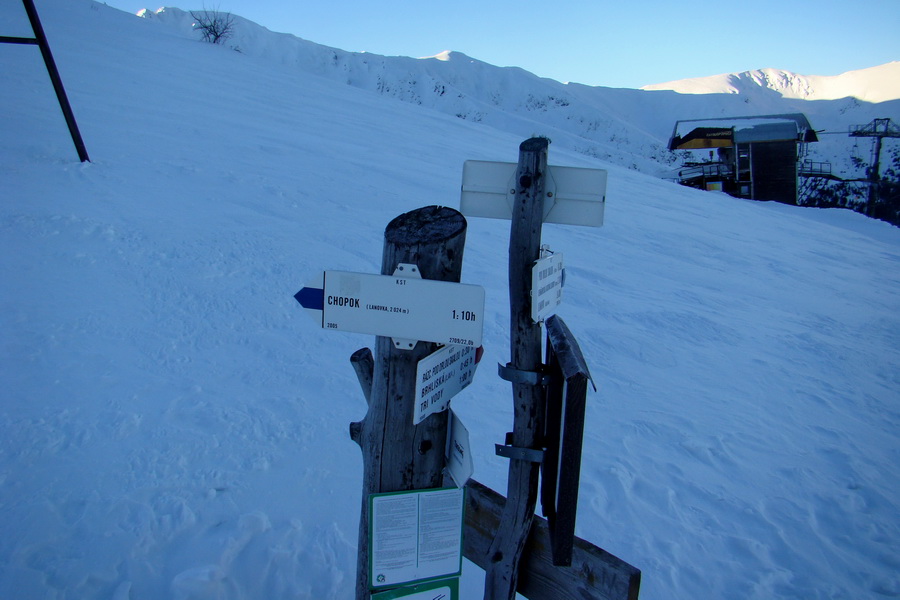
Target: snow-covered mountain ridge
875,84
173,426
626,127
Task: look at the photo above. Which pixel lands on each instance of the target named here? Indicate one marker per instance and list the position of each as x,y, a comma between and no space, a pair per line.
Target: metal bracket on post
513,453
513,375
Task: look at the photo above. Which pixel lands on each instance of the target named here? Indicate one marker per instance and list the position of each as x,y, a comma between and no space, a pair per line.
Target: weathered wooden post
398,455
413,307
524,373
520,551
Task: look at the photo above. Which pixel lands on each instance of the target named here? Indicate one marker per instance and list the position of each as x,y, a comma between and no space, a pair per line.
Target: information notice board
415,536
445,589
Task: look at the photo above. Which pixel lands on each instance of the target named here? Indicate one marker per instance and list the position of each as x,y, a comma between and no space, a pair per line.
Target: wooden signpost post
423,252
523,371
428,329
398,456
517,556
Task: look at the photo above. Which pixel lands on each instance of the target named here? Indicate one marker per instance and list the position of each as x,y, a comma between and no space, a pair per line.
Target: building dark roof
726,132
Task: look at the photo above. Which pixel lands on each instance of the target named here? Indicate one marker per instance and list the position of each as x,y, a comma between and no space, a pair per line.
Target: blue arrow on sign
311,298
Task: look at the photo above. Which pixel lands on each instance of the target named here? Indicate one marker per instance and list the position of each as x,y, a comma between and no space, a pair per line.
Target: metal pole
54,78
874,178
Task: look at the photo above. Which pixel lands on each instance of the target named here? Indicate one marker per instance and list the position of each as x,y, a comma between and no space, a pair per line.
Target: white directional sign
546,286
397,306
440,376
575,196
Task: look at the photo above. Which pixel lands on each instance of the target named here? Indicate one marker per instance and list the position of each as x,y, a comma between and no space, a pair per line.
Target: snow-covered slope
172,425
629,128
875,84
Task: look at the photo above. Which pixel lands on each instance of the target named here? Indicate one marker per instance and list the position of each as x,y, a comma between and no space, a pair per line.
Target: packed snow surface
172,424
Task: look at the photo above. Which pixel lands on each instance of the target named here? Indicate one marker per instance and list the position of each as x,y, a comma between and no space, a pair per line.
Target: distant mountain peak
875,84
446,55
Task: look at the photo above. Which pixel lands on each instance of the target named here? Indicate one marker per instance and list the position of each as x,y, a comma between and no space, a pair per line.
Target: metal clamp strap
508,373
529,454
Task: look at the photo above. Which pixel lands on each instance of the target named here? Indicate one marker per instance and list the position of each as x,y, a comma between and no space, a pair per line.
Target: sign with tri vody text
440,376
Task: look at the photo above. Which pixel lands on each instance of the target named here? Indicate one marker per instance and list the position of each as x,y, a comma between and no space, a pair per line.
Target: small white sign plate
440,376
403,307
546,286
575,196
459,458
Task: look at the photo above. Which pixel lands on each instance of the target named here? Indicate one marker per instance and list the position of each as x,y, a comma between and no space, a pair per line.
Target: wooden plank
561,469
594,574
571,360
565,458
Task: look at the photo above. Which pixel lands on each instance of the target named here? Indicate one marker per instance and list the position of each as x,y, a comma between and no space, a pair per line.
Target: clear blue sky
623,43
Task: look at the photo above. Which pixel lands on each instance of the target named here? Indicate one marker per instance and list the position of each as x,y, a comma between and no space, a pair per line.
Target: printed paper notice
414,536
459,459
546,286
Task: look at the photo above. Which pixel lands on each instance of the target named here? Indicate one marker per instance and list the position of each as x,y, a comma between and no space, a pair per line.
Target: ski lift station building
748,157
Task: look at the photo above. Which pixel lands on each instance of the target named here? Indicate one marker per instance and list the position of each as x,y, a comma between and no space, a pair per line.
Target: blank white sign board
575,196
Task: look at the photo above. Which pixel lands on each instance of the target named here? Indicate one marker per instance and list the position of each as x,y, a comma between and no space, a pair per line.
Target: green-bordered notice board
415,536
445,589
